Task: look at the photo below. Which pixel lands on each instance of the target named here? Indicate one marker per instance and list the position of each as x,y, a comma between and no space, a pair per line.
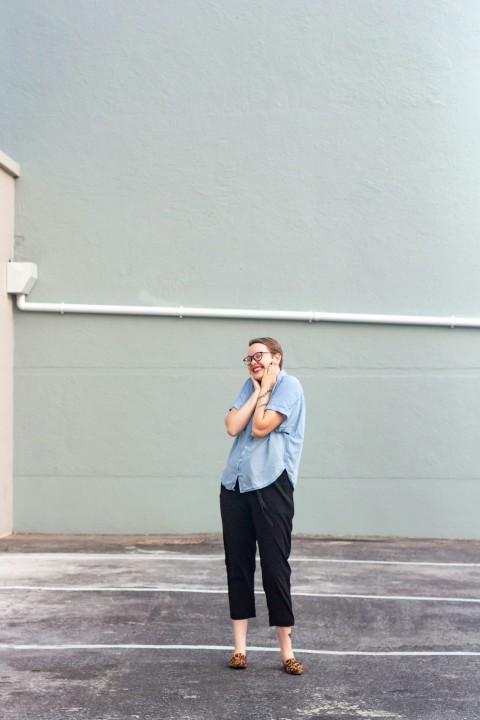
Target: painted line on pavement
127,589
145,556
228,648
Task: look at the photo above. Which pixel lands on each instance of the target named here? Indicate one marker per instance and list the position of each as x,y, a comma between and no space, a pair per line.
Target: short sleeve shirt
258,461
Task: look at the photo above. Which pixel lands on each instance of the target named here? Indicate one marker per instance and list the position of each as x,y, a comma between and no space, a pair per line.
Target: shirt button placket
241,458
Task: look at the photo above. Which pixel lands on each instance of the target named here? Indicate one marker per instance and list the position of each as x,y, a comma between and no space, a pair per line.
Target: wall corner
9,170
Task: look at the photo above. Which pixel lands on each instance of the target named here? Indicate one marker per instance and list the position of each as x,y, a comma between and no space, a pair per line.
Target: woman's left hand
269,377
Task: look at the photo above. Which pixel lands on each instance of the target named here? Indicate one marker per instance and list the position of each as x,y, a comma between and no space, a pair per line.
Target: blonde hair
272,344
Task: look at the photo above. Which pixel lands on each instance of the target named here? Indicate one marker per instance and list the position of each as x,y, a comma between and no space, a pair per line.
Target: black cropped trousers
264,517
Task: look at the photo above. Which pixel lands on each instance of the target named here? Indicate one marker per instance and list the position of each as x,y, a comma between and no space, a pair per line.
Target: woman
267,421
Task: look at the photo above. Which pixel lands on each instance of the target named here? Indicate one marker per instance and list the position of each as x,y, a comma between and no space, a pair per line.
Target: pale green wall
289,155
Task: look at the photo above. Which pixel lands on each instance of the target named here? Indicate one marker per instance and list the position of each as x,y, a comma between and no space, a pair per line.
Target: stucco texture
278,155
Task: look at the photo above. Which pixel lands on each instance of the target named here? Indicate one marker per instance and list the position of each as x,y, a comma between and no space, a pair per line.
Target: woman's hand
265,421
256,384
269,377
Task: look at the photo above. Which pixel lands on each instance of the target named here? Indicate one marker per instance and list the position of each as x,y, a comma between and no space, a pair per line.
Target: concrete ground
99,628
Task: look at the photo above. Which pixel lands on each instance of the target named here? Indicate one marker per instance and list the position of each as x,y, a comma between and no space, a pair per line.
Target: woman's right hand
256,384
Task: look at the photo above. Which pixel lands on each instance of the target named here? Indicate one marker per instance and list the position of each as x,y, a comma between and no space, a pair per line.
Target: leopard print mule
238,661
292,666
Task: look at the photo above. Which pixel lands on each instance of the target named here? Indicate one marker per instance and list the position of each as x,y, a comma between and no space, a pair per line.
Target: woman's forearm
262,419
238,419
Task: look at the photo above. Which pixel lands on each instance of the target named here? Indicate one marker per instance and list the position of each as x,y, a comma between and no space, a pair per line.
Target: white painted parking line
199,590
228,648
159,556
124,588
417,563
415,598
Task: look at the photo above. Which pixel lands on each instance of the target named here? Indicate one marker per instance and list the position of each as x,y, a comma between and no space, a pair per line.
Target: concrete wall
285,155
8,172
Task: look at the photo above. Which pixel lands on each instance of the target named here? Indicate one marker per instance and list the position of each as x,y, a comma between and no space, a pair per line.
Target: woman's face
257,367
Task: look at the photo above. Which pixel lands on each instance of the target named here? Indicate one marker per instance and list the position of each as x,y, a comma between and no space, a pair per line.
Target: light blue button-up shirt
258,461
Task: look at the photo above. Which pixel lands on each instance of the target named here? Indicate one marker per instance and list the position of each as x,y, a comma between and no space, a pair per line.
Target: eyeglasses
256,356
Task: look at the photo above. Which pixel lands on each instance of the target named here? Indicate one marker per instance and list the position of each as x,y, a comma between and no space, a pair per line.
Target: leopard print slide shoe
292,666
238,661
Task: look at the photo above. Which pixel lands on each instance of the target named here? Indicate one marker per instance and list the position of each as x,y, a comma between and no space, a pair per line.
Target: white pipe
307,316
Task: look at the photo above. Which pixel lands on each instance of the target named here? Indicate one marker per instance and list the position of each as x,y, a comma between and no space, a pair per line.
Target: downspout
225,313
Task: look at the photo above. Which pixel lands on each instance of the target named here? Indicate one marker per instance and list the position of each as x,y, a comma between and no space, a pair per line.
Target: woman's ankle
240,636
285,643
